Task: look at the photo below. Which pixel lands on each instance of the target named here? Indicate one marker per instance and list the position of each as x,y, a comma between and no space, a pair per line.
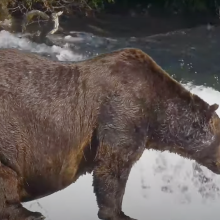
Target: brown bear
59,121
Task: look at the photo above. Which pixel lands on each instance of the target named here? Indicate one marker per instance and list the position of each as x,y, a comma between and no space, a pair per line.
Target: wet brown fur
59,121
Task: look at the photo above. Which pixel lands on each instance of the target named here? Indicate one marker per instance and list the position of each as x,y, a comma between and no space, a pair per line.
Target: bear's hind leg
10,206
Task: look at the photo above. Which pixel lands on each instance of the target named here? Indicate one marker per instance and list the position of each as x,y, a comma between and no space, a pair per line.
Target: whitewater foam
9,40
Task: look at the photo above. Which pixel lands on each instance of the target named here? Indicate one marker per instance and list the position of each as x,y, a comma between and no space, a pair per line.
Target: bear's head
189,128
207,152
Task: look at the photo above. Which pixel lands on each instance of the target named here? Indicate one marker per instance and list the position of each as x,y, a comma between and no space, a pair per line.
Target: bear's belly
51,177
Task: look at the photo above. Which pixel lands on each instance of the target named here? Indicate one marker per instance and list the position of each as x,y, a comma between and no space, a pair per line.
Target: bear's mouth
209,155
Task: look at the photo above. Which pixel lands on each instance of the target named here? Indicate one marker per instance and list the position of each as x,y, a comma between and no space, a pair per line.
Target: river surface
161,186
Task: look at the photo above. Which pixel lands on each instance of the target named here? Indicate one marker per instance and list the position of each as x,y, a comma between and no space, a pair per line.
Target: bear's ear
211,110
213,107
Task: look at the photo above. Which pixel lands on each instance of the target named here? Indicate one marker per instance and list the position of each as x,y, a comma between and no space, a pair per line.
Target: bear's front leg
121,139
110,177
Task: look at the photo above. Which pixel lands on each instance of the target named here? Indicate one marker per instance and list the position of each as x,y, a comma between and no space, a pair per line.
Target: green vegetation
86,6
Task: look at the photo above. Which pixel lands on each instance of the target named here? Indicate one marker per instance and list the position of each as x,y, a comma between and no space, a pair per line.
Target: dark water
161,185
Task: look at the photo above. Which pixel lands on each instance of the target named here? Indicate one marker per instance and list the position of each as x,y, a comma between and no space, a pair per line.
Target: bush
69,6
76,6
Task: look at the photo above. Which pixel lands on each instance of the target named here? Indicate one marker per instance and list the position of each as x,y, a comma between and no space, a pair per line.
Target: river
161,185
